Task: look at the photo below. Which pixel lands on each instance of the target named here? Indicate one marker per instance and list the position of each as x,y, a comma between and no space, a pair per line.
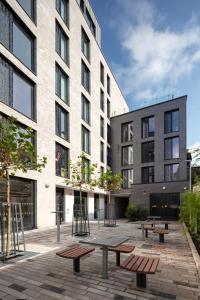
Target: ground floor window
22,191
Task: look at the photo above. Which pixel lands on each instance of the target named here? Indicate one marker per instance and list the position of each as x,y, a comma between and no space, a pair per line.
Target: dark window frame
58,92
171,174
56,160
128,183
102,73
102,106
83,145
108,109
171,148
170,113
84,37
150,174
58,8
33,13
108,85
86,85
60,32
102,152
151,153
102,129
122,127
59,109
128,158
84,99
149,133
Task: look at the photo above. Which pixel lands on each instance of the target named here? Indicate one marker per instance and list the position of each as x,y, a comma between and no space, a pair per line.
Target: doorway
60,204
165,205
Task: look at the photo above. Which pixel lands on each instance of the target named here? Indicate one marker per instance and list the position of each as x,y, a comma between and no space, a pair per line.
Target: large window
101,73
85,109
16,38
127,155
85,140
102,152
127,177
102,127
62,85
86,174
172,121
90,22
108,133
85,45
15,90
148,127
172,148
109,158
29,7
127,132
147,175
102,99
62,122
85,77
108,109
62,161
147,152
62,7
172,172
108,85
62,44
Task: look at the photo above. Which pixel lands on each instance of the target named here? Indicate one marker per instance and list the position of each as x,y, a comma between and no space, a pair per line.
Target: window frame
148,132
170,113
59,109
58,9
108,85
149,151
59,34
84,130
102,73
84,68
128,154
128,185
33,13
67,158
102,106
171,174
148,175
84,37
171,148
84,99
102,125
102,152
129,133
58,93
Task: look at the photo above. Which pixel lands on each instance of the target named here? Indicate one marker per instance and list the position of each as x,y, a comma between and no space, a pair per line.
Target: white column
69,202
91,206
101,205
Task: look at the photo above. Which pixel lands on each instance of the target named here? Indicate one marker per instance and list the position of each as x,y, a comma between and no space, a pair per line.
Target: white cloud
157,57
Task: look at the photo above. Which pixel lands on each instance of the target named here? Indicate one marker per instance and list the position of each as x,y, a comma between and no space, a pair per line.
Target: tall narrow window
86,173
148,127
108,85
109,158
127,177
172,172
101,73
127,132
62,161
62,82
85,109
108,109
62,44
127,155
147,152
147,175
82,5
102,127
62,122
109,134
62,7
85,77
172,121
90,22
102,99
102,152
85,45
172,148
29,7
85,140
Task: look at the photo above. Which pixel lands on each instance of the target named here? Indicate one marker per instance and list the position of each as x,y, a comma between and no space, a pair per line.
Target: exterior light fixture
164,188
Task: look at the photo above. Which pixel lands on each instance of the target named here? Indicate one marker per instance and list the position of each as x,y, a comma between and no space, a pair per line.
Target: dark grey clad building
149,149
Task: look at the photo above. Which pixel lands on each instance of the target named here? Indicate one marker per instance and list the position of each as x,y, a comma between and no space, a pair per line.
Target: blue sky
153,48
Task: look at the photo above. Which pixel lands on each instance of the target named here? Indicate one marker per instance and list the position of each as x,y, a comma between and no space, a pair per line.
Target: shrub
135,213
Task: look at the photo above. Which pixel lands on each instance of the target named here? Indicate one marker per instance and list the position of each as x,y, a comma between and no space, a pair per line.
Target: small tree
82,177
110,183
17,152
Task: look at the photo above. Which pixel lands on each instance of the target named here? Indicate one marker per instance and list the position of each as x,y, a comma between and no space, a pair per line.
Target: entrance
121,204
60,204
165,205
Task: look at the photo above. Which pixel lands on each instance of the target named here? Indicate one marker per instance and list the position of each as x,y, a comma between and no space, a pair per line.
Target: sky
153,49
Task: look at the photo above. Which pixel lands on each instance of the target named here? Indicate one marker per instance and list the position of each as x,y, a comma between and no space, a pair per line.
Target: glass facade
62,122
172,121
62,44
172,148
62,85
85,140
85,109
85,45
62,7
127,155
147,152
148,127
85,77
147,175
171,172
127,132
127,177
62,161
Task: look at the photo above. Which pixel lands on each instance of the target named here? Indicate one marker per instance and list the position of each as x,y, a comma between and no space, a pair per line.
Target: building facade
151,154
54,79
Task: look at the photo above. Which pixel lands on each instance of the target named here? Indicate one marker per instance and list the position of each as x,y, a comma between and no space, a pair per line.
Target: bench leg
161,237
76,265
118,259
146,233
166,226
141,280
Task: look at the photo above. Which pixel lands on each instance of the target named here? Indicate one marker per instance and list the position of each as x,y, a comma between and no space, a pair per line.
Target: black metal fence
110,215
80,222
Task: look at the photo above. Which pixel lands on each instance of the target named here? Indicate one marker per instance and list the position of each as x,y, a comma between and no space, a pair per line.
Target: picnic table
142,223
105,243
153,218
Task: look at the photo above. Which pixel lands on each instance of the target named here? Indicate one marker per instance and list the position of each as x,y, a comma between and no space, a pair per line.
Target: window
127,155
85,109
108,109
127,132
109,134
148,127
172,121
102,152
85,45
147,175
86,173
147,152
172,148
82,5
109,158
102,73
62,161
62,122
85,140
102,170
62,44
29,7
85,77
90,22
62,82
62,7
102,127
102,99
108,85
127,177
172,172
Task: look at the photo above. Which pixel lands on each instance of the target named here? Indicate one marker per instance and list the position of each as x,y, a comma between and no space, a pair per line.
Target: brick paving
47,276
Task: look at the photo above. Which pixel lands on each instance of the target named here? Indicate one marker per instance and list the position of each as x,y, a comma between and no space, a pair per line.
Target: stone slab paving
47,276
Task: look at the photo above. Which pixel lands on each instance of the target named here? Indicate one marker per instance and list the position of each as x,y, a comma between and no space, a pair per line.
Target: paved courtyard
43,275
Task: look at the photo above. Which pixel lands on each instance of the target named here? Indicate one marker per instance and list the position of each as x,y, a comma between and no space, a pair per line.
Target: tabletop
111,241
153,217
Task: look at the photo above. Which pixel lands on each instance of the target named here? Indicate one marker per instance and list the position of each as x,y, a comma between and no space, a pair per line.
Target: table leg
166,226
161,237
105,262
142,231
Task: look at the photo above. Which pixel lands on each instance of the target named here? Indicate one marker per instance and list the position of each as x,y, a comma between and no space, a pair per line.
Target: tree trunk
8,213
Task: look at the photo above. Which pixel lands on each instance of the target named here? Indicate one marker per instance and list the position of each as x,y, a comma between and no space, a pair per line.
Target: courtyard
40,274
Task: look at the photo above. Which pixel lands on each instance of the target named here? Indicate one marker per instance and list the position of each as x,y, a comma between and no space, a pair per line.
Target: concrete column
69,202
91,206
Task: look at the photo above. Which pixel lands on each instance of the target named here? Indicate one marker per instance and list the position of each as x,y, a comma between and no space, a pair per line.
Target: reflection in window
102,152
85,140
28,6
147,152
62,122
62,44
172,121
62,7
85,77
127,177
90,22
85,45
147,175
62,160
148,127
127,155
85,109
62,81
127,132
172,148
172,172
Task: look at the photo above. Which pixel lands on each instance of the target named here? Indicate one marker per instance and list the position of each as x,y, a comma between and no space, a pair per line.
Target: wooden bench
161,233
142,266
75,252
124,248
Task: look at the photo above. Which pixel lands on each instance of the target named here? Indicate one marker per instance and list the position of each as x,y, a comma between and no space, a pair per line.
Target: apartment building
54,79
152,157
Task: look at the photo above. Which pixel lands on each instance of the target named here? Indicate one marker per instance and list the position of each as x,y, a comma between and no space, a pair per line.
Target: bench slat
148,265
154,265
143,264
132,262
137,264
127,260
125,248
74,252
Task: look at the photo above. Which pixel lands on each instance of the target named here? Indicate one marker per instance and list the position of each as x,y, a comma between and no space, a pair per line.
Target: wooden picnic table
105,243
142,223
